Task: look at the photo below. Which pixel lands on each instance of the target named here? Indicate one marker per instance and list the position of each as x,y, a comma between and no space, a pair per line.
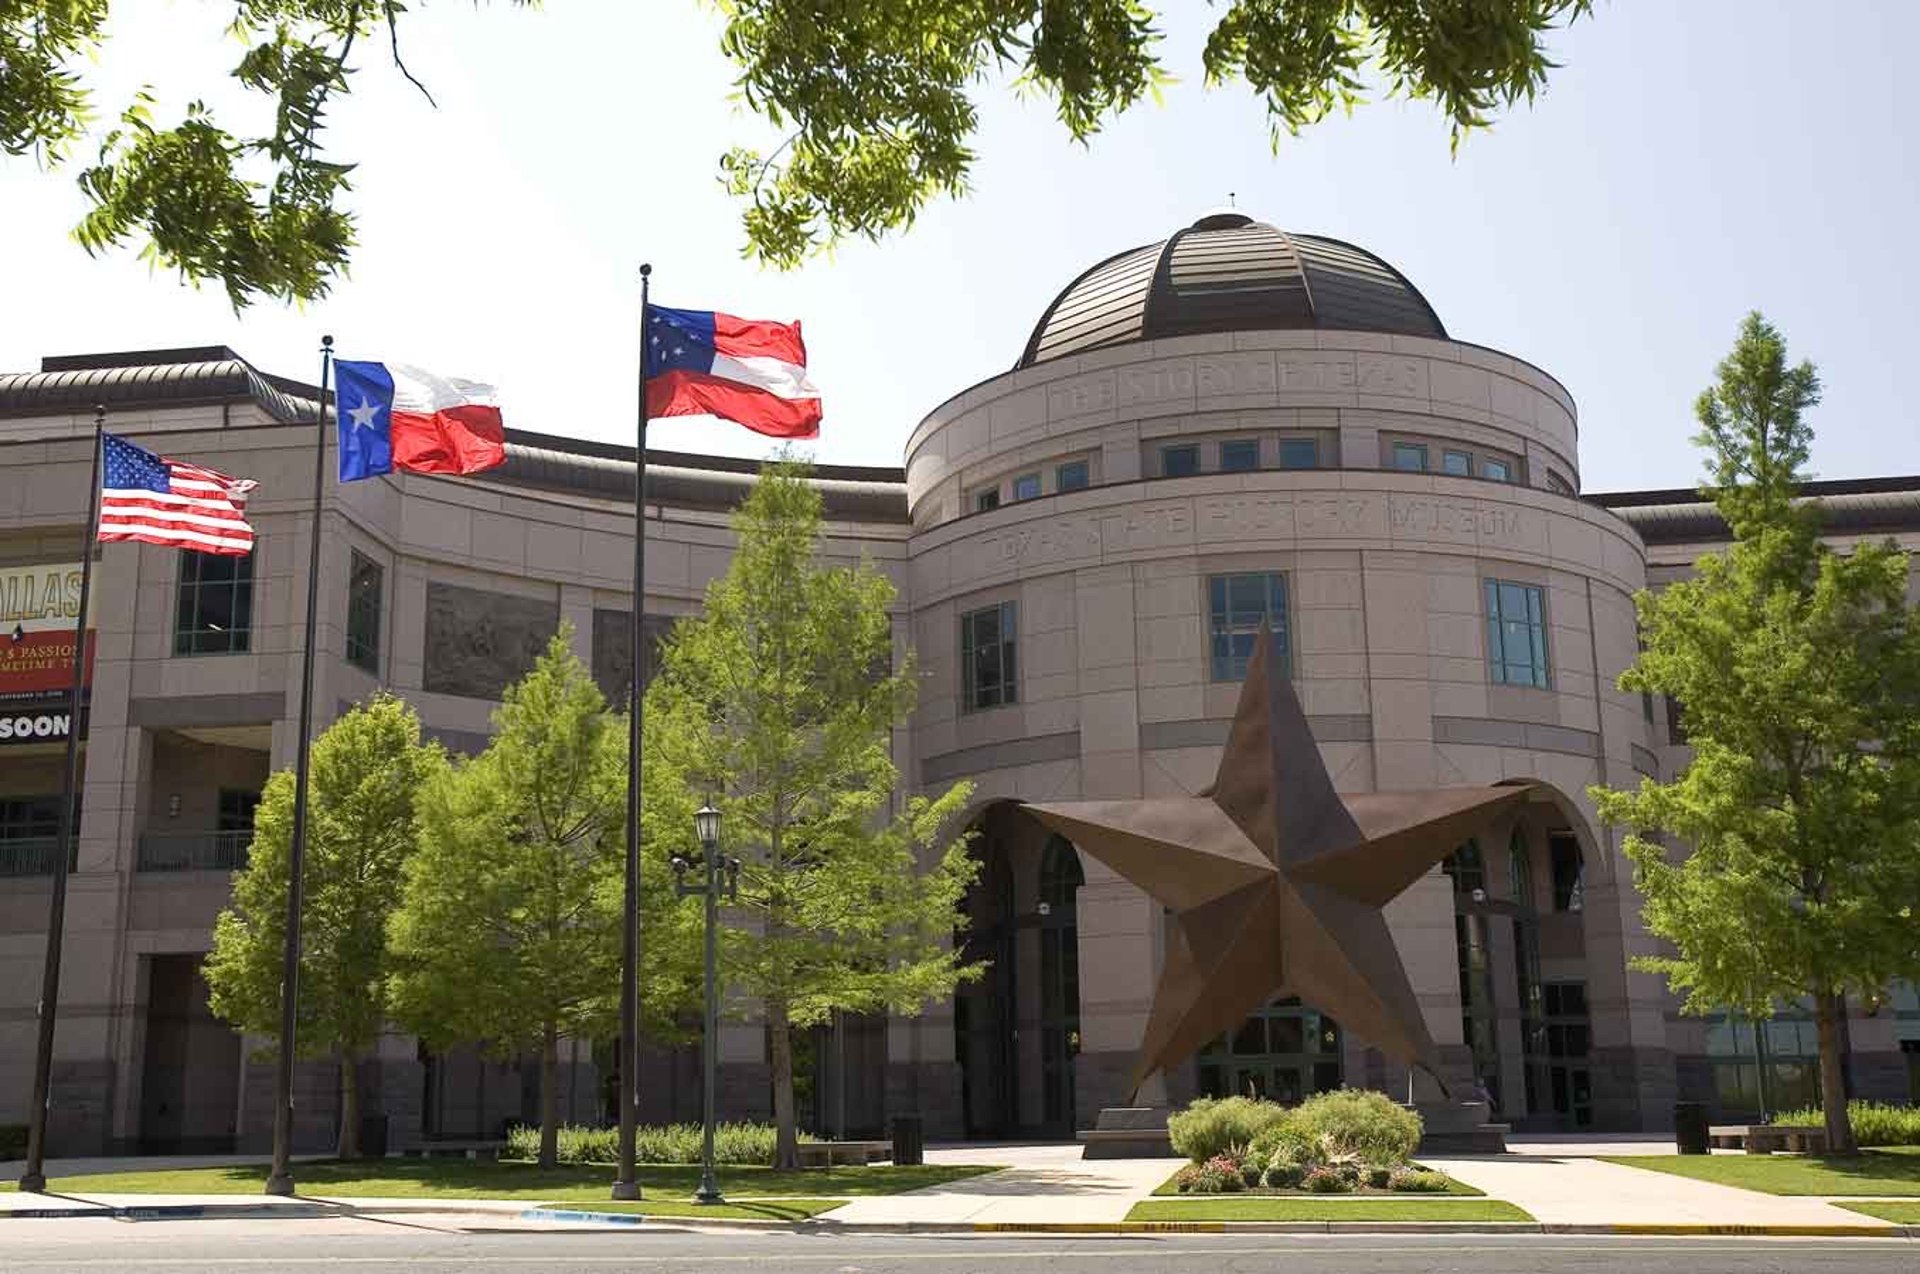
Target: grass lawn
1899,1213
1240,1207
1167,1188
732,1209
1893,1170
477,1179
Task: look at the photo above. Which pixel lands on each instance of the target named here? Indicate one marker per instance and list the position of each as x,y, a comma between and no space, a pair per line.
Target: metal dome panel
1225,273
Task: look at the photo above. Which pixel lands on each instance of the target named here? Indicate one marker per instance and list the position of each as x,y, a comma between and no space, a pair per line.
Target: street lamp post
722,877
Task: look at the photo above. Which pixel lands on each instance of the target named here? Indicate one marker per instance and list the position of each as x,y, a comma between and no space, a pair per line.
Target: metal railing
32,855
193,851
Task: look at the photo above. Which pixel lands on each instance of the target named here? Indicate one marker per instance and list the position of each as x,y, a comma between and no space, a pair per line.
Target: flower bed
1346,1142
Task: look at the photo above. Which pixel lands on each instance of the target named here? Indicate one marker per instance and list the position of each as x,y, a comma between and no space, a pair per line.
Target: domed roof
1229,273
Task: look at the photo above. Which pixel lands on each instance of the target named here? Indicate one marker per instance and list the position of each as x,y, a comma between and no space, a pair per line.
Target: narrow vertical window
1026,487
1071,476
1236,607
365,583
1457,463
1496,470
987,499
1410,457
1516,633
988,672
213,608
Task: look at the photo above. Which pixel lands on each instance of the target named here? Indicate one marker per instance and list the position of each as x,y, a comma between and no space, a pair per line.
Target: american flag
159,501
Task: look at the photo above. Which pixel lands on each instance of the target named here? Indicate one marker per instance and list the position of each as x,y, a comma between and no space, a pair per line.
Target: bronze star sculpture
1277,881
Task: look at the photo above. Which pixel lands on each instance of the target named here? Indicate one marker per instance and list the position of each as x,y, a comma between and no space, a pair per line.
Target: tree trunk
549,1096
349,1143
1829,1012
786,1142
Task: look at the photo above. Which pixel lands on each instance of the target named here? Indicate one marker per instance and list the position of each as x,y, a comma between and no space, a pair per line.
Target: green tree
367,770
508,930
875,99
1794,866
778,704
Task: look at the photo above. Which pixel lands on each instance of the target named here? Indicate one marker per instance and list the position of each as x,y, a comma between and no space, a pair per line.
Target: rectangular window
1239,455
1410,457
1299,453
1071,476
1179,462
989,675
988,499
1496,470
1457,463
1026,486
213,611
365,582
1236,607
237,806
1517,633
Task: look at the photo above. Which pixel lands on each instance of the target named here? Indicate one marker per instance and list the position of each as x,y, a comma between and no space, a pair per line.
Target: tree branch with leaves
875,102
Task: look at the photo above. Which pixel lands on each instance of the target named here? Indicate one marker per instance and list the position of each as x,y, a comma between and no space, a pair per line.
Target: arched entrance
1017,1030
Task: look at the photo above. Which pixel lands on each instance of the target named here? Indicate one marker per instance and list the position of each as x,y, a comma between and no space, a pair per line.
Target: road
435,1244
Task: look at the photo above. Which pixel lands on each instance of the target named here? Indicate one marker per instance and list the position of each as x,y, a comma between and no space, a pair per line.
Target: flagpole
34,1179
280,1181
626,1184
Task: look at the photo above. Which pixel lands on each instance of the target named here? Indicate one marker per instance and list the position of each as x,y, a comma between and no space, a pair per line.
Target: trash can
909,1140
373,1136
1690,1127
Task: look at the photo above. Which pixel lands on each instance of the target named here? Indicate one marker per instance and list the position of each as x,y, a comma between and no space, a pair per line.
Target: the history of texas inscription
1238,374
1239,517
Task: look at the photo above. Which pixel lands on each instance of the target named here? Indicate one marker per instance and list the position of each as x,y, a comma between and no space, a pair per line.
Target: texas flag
754,373
397,417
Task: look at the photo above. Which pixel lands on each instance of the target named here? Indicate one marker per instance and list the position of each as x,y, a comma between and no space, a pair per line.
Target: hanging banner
38,606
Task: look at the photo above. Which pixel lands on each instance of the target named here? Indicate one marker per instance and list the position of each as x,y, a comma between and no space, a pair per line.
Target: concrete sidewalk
1042,1182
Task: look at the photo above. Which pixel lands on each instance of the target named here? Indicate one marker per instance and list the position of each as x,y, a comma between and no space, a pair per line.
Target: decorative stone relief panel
478,642
613,651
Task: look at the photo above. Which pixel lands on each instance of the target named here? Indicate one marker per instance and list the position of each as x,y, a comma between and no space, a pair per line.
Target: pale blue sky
1689,162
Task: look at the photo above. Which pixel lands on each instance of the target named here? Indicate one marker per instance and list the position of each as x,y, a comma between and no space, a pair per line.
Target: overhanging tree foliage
1794,869
367,768
875,99
778,703
508,930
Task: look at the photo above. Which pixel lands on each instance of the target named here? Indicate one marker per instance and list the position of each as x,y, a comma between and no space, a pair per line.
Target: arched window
1520,869
1468,869
1060,873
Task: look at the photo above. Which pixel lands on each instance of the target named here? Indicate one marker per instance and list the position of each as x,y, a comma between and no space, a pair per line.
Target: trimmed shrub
1251,1170
1283,1174
1417,1181
1874,1123
1325,1180
1377,1177
1215,1125
1284,1137
671,1143
1369,1126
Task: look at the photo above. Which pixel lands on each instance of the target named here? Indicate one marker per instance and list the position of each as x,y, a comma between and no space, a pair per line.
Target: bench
825,1154
452,1149
1764,1139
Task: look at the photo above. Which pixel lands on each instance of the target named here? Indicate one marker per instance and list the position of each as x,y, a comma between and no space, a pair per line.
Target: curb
1239,1227
298,1210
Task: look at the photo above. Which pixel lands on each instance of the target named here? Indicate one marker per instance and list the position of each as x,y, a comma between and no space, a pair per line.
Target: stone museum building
1234,426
